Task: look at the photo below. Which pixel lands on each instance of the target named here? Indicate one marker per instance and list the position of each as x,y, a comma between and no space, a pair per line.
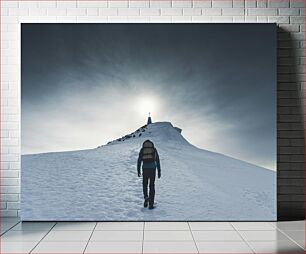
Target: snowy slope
102,183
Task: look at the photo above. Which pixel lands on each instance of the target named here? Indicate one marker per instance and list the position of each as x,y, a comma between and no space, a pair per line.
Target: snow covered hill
102,183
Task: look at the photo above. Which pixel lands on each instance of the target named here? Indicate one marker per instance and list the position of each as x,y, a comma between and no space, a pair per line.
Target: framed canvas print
148,122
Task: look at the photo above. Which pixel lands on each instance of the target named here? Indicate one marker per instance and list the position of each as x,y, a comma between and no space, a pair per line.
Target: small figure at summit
149,159
149,119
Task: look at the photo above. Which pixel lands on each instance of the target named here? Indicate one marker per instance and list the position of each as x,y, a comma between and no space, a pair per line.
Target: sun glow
146,105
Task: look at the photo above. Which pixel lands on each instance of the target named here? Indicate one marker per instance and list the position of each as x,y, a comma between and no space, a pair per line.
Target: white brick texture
289,14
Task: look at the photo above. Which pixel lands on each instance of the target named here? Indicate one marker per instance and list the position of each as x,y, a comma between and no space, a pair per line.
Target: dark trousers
148,176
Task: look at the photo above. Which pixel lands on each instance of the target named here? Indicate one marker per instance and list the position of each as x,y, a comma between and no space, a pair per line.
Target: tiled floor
152,237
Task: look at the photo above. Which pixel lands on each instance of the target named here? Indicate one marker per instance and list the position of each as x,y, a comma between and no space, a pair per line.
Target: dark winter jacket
148,165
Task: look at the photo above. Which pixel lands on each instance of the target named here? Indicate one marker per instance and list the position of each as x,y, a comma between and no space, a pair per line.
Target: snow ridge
102,183
158,130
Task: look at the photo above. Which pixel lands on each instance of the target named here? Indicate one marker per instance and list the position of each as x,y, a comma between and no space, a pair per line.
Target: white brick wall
288,13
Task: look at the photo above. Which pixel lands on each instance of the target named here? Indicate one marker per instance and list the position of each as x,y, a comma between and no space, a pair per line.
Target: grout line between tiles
290,238
273,225
9,228
90,236
143,232
246,242
42,238
193,238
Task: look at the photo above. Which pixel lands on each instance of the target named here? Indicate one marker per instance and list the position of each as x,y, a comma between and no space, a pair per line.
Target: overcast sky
86,84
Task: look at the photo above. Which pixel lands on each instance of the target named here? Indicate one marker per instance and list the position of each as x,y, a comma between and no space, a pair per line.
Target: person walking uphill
149,158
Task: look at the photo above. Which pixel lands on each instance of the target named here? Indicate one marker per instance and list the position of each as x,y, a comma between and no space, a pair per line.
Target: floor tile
301,243
119,226
6,227
211,226
253,226
273,235
160,237
7,224
99,236
12,220
114,247
297,235
170,247
276,247
290,225
34,226
68,236
74,226
17,247
223,247
164,235
166,226
216,236
60,247
3,230
23,236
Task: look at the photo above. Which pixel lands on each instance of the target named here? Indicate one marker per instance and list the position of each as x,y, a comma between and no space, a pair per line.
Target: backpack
148,151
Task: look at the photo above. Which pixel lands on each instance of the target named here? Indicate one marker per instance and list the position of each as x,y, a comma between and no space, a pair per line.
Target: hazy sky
86,84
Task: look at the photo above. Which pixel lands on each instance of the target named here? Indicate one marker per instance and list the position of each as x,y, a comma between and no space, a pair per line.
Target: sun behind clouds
147,104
